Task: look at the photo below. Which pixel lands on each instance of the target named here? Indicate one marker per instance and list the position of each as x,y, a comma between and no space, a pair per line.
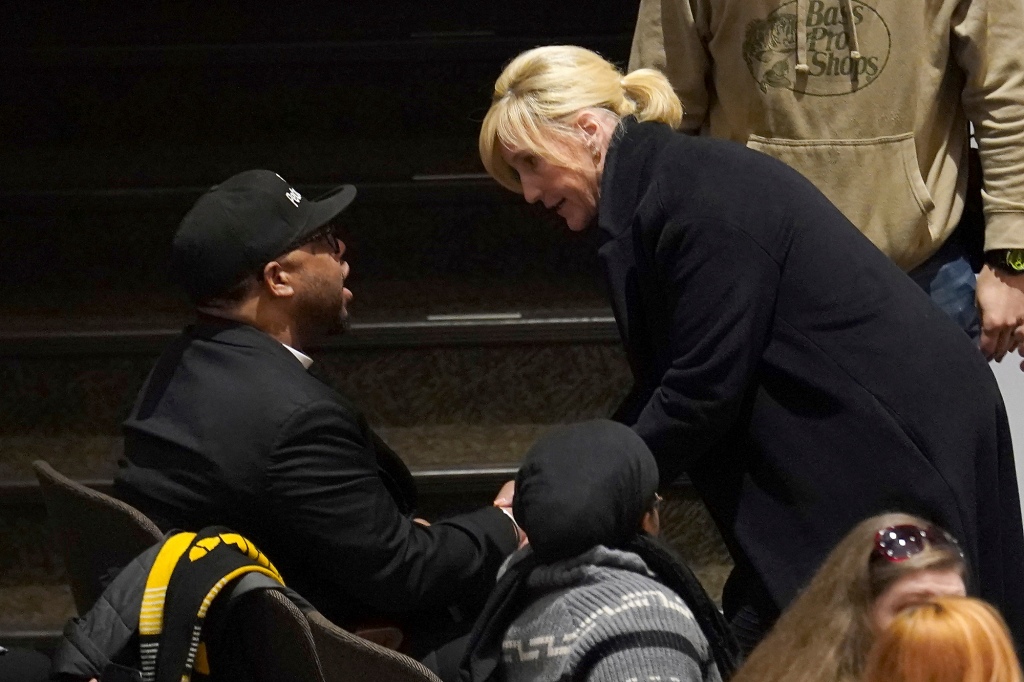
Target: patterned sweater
602,617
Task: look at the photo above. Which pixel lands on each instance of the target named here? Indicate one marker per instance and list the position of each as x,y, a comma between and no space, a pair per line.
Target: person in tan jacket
871,101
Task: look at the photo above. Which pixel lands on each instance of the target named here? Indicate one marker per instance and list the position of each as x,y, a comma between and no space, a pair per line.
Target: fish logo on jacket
844,51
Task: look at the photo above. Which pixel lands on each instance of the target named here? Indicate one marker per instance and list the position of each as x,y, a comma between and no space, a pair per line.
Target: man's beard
321,310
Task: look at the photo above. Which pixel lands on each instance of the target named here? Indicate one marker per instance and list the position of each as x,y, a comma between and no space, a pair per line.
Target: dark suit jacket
803,381
230,429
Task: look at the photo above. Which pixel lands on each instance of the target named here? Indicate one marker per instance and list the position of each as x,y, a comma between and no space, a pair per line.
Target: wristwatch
1008,260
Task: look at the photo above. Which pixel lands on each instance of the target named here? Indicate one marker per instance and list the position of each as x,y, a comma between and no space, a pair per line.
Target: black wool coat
800,378
230,429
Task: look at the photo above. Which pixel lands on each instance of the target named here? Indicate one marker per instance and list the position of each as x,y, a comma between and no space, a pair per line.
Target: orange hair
948,639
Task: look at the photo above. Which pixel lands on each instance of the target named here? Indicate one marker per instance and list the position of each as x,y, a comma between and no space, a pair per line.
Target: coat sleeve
671,36
101,635
988,41
325,487
719,288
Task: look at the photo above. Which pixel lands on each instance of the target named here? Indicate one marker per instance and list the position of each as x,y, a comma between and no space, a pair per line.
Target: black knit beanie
583,485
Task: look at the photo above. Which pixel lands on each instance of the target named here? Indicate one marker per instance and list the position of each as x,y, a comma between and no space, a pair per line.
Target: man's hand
1020,347
504,502
505,495
1001,306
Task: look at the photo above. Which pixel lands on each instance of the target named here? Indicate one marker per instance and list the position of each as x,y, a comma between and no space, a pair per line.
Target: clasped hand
1001,307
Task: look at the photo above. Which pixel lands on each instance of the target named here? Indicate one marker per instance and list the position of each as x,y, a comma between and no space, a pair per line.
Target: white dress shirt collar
300,356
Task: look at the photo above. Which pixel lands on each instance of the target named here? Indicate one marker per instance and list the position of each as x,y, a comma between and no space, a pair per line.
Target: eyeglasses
899,543
656,505
328,233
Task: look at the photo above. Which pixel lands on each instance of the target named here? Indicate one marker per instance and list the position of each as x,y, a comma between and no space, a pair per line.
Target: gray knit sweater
602,617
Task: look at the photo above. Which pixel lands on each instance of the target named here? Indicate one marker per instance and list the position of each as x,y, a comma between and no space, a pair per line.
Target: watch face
1015,259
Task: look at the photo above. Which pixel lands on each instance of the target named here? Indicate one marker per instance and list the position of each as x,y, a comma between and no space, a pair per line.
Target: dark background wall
116,116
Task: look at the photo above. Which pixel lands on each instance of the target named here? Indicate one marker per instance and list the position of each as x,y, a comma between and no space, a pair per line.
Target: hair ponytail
652,96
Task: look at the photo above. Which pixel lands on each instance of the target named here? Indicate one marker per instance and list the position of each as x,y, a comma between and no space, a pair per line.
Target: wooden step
405,387
434,450
136,324
32,612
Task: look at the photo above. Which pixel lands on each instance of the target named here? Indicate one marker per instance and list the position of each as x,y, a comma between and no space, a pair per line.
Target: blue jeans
947,277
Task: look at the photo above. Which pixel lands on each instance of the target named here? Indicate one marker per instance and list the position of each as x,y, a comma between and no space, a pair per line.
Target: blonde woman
946,640
886,564
799,378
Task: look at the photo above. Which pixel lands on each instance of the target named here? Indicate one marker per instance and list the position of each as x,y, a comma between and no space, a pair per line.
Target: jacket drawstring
801,38
851,27
801,35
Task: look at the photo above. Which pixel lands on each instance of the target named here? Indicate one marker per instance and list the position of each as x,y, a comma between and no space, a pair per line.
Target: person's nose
531,192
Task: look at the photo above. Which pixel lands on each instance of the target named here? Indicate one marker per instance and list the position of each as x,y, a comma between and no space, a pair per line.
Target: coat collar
234,333
628,168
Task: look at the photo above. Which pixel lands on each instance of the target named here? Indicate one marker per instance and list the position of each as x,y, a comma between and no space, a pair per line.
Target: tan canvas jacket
870,100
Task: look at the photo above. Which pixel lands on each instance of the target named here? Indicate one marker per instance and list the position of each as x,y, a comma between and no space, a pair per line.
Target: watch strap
1007,260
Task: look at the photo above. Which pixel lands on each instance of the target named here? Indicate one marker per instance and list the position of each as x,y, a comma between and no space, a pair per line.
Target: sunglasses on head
900,542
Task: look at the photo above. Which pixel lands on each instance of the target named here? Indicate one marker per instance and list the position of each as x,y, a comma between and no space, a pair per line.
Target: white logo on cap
293,196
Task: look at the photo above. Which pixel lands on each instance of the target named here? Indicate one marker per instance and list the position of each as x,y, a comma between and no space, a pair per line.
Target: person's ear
587,130
651,522
594,131
590,128
587,122
277,280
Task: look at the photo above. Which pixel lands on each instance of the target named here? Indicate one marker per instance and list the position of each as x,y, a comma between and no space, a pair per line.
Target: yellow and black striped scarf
190,571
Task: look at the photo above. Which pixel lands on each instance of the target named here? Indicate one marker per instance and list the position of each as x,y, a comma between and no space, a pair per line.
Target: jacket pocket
876,183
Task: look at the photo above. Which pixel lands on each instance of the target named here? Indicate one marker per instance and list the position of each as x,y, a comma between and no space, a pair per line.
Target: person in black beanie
594,596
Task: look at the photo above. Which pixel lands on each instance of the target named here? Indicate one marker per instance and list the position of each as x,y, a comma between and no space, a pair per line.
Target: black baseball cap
243,223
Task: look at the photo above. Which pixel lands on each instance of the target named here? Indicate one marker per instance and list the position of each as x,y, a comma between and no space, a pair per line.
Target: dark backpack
154,620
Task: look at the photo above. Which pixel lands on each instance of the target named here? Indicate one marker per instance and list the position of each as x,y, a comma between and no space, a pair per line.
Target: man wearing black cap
231,429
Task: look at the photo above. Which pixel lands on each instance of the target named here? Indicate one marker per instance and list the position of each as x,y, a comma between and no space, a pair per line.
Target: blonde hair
948,639
538,94
825,634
